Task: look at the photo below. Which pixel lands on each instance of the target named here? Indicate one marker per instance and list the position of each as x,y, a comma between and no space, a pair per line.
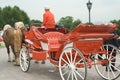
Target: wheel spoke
21,57
65,61
116,68
113,58
65,72
111,53
25,67
108,72
111,71
79,74
64,66
75,76
67,57
26,64
100,56
72,75
78,61
68,76
75,57
71,56
107,51
116,63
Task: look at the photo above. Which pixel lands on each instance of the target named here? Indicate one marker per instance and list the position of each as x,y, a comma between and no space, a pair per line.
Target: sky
102,11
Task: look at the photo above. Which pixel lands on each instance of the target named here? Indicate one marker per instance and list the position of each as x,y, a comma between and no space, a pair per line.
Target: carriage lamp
89,6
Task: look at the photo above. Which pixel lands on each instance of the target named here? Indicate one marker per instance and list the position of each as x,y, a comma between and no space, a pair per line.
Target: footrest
39,55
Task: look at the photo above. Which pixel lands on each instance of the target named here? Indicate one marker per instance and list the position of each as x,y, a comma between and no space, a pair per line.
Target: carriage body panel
88,46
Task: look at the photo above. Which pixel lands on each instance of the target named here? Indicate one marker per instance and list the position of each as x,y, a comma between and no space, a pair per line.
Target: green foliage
1,46
6,15
35,22
68,22
117,22
1,18
9,15
75,23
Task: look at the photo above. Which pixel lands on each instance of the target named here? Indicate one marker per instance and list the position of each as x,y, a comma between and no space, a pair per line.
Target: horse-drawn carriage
73,52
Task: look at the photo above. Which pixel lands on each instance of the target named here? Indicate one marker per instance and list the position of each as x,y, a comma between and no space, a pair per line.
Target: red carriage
72,51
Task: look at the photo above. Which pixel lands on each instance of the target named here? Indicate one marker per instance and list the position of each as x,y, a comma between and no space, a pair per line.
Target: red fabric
48,20
1,39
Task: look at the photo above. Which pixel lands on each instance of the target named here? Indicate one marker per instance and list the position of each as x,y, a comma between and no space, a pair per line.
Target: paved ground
36,71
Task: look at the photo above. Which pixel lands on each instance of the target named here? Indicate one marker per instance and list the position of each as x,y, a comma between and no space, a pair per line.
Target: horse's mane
19,25
6,27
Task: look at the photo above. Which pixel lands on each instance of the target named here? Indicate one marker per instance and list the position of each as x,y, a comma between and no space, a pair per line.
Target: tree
35,22
9,15
75,23
68,22
20,15
1,19
117,22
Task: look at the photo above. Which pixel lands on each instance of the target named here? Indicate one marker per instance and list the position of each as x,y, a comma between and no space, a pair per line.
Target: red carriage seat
53,40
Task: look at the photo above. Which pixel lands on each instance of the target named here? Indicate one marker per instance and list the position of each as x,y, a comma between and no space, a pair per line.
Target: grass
2,46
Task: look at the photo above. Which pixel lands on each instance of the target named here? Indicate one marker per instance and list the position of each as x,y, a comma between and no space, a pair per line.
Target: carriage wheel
24,59
72,65
110,69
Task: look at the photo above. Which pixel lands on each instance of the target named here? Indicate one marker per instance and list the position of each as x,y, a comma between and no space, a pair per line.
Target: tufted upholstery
53,40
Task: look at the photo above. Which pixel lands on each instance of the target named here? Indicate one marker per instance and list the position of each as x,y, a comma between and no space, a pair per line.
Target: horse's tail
17,40
6,27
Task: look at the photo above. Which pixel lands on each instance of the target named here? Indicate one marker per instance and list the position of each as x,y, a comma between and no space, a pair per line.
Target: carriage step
39,55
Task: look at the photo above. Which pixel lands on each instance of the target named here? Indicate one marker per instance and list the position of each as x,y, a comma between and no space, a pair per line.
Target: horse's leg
13,58
16,62
12,47
8,51
17,59
43,62
15,55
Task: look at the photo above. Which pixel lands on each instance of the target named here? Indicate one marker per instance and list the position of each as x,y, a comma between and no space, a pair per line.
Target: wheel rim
106,71
24,59
69,60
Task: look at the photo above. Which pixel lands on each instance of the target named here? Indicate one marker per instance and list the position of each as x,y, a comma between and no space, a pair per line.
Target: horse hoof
9,60
36,62
16,64
13,60
43,62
